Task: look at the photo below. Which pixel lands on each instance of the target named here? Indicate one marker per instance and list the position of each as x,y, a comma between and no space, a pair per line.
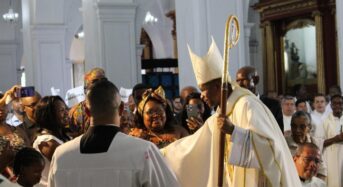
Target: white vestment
286,123
256,154
317,120
129,162
314,182
45,174
333,154
293,146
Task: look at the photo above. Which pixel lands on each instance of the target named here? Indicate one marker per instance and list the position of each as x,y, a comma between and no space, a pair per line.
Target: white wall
197,21
10,47
48,28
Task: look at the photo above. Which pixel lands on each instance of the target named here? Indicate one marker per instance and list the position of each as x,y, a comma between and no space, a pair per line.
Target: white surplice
286,123
314,182
333,154
256,155
317,120
129,162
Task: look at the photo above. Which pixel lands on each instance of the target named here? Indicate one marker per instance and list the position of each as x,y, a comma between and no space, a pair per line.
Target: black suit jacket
275,107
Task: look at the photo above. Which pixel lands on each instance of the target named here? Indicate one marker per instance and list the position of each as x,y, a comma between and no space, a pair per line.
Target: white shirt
333,154
286,123
4,182
129,162
313,182
317,120
45,174
13,120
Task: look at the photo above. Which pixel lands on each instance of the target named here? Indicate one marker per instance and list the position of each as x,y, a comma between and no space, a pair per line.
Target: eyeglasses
156,112
308,160
32,105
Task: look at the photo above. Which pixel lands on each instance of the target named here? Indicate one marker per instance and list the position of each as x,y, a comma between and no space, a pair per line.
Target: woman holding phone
195,112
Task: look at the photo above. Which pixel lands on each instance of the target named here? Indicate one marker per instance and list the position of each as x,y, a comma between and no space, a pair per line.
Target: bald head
248,78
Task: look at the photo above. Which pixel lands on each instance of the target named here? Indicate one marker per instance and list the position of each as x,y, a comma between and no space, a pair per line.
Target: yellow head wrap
157,94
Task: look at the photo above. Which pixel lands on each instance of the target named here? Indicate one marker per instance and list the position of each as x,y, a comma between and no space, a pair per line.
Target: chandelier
10,16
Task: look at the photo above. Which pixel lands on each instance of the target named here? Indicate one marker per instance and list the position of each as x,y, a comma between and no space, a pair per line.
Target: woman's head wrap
158,95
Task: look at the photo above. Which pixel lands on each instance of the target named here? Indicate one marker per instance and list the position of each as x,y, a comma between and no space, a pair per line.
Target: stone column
44,34
110,42
247,33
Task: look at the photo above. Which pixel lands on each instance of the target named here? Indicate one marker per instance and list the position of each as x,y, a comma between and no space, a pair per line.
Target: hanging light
10,16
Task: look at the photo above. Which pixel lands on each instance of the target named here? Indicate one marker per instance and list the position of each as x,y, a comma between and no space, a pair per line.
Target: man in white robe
318,115
333,147
256,152
300,134
307,160
288,109
103,156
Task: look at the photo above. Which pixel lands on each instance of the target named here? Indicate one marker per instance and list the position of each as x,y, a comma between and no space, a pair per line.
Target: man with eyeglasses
307,160
300,134
28,128
29,125
79,120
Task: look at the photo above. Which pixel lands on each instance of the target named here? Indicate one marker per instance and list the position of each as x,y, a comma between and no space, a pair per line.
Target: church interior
78,74
50,44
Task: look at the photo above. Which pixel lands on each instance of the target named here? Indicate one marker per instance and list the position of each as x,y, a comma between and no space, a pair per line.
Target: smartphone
192,110
28,91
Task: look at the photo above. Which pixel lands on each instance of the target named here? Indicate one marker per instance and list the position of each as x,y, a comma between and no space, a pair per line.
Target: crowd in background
31,128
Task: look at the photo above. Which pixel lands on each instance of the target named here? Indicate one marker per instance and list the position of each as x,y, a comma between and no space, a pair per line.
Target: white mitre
208,67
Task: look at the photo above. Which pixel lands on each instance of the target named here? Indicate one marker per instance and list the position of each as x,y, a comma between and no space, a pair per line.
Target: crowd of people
293,140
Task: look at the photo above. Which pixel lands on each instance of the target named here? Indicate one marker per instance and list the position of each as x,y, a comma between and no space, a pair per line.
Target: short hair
102,98
288,97
139,86
336,96
25,157
302,146
300,101
298,114
318,95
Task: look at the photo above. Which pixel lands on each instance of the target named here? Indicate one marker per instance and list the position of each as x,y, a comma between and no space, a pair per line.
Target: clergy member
256,152
333,147
307,159
104,156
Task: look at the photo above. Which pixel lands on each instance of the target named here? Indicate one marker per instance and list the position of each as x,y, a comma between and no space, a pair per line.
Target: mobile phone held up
192,111
28,91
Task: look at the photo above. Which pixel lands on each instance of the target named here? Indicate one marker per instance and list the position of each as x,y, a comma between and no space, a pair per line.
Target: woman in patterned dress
155,121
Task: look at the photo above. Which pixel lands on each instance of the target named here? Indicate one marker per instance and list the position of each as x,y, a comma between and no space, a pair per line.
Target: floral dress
160,140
